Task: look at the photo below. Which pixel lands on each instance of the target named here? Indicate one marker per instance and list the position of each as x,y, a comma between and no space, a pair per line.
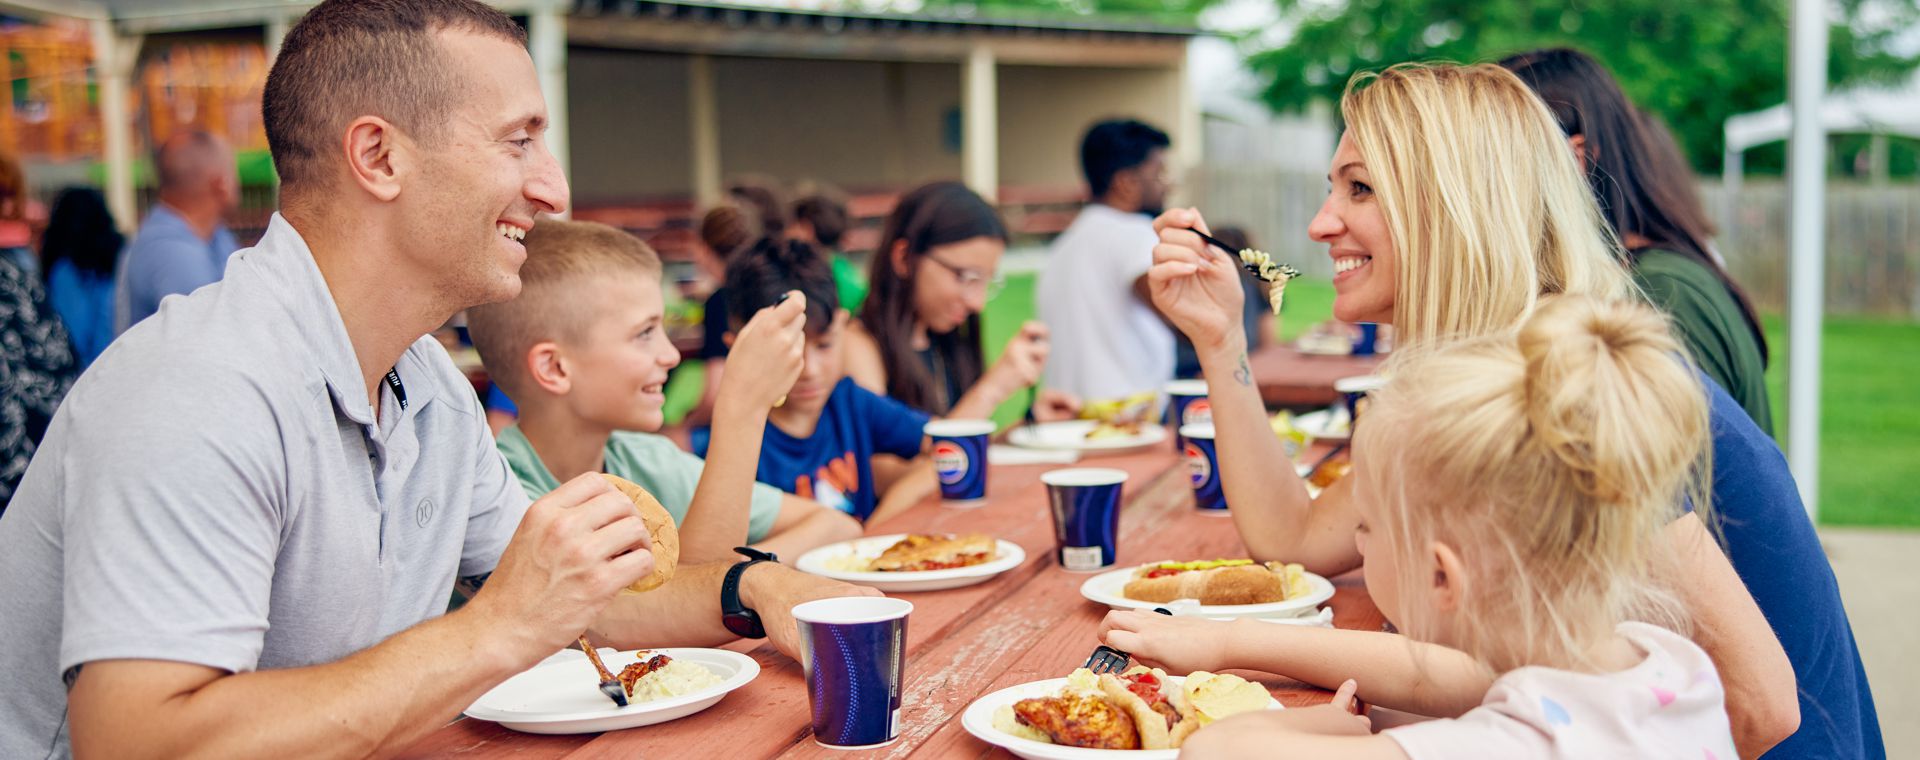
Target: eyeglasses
970,279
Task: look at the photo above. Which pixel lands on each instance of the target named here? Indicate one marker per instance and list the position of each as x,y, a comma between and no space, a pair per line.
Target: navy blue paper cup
1086,516
854,652
1187,404
960,459
1353,392
1367,343
1203,466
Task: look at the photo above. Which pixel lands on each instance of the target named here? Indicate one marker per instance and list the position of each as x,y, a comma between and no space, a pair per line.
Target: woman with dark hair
1647,195
80,249
918,336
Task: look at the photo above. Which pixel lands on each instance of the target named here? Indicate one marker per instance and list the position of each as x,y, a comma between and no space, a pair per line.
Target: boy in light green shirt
584,355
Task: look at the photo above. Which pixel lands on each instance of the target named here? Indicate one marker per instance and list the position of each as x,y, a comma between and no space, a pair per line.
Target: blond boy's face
619,362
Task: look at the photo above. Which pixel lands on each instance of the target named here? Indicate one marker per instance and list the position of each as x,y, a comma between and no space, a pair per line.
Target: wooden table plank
1288,378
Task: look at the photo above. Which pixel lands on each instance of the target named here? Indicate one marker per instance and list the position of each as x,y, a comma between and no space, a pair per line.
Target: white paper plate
978,720
1106,587
563,696
819,562
1328,424
1072,435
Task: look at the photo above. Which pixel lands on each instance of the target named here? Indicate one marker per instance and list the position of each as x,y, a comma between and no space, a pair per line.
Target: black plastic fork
1106,659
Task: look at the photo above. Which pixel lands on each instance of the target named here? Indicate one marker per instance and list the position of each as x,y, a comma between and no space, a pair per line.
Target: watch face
743,624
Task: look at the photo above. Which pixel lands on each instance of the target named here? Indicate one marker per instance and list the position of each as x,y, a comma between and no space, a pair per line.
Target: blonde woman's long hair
1488,208
1550,458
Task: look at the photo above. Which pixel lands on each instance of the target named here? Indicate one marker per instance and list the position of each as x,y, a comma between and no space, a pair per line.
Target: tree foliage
1693,62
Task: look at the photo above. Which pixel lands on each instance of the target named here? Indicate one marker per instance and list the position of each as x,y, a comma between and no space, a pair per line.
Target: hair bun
1596,374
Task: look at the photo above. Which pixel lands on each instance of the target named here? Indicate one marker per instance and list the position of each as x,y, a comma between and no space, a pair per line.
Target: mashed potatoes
676,679
1006,722
850,563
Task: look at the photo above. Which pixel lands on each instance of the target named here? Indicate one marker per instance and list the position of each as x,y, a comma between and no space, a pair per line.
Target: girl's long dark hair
81,229
931,215
1636,170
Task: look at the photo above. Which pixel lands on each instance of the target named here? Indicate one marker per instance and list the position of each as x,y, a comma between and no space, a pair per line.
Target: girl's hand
1025,358
1176,644
1053,406
767,355
1195,285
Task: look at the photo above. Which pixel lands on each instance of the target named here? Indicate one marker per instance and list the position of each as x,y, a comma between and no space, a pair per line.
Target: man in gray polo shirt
243,523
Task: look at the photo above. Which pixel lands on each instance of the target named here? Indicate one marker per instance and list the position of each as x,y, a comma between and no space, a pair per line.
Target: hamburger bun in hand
659,522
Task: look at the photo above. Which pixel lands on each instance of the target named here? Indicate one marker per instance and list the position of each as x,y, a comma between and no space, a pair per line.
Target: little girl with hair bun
1512,490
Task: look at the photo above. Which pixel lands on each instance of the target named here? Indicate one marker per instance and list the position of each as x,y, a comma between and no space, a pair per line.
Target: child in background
819,444
583,351
820,219
1512,502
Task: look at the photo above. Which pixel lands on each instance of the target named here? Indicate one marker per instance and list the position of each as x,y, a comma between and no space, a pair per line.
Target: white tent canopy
1877,110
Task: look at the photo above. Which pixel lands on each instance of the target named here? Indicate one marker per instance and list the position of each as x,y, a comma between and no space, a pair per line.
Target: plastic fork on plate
1106,659
609,685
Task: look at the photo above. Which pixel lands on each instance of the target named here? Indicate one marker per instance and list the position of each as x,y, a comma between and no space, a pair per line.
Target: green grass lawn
1870,399
1869,418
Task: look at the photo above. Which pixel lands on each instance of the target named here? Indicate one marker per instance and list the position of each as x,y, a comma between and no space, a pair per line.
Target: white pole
1731,168
703,113
980,123
113,63
547,44
1807,174
277,27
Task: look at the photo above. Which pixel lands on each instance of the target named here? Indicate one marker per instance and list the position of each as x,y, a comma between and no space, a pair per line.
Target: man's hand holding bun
575,549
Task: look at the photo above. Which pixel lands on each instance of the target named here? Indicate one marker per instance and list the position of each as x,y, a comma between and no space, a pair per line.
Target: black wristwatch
743,622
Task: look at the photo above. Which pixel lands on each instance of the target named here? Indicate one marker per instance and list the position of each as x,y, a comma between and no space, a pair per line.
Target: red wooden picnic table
1027,624
1289,378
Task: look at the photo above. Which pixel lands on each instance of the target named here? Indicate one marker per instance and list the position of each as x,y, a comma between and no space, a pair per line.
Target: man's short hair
188,159
1111,147
565,259
351,58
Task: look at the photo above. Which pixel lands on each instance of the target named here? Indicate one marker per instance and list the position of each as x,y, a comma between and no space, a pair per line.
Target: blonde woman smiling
1456,210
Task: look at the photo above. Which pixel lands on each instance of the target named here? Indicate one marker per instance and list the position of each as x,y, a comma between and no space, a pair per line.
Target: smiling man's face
481,183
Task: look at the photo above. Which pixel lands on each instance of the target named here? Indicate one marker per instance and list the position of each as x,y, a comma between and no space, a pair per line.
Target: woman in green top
1647,195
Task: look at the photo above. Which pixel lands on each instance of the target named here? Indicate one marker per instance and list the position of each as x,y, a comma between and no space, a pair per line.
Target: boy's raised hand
767,355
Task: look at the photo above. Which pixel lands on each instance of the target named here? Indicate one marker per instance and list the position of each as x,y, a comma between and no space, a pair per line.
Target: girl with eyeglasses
917,338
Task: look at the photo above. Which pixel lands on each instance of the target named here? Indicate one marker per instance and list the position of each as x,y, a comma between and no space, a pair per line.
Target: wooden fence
1873,233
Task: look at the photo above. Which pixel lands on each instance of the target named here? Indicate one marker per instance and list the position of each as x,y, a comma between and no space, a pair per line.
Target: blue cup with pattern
1203,468
1187,404
1085,504
960,460
854,652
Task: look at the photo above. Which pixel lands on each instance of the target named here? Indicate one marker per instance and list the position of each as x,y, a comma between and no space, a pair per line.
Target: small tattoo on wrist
1245,373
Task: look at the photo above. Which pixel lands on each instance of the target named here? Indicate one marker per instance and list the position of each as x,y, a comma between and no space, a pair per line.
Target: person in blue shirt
81,248
183,244
819,444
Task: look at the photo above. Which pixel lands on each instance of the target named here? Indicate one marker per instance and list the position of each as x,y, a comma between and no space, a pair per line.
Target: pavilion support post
980,123
547,44
703,111
114,57
1806,232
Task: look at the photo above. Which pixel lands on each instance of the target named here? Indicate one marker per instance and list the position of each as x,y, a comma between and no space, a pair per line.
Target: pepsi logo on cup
950,461
1199,467
1198,411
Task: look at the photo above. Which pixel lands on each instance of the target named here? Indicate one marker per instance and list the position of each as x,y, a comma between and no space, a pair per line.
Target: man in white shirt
1108,341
